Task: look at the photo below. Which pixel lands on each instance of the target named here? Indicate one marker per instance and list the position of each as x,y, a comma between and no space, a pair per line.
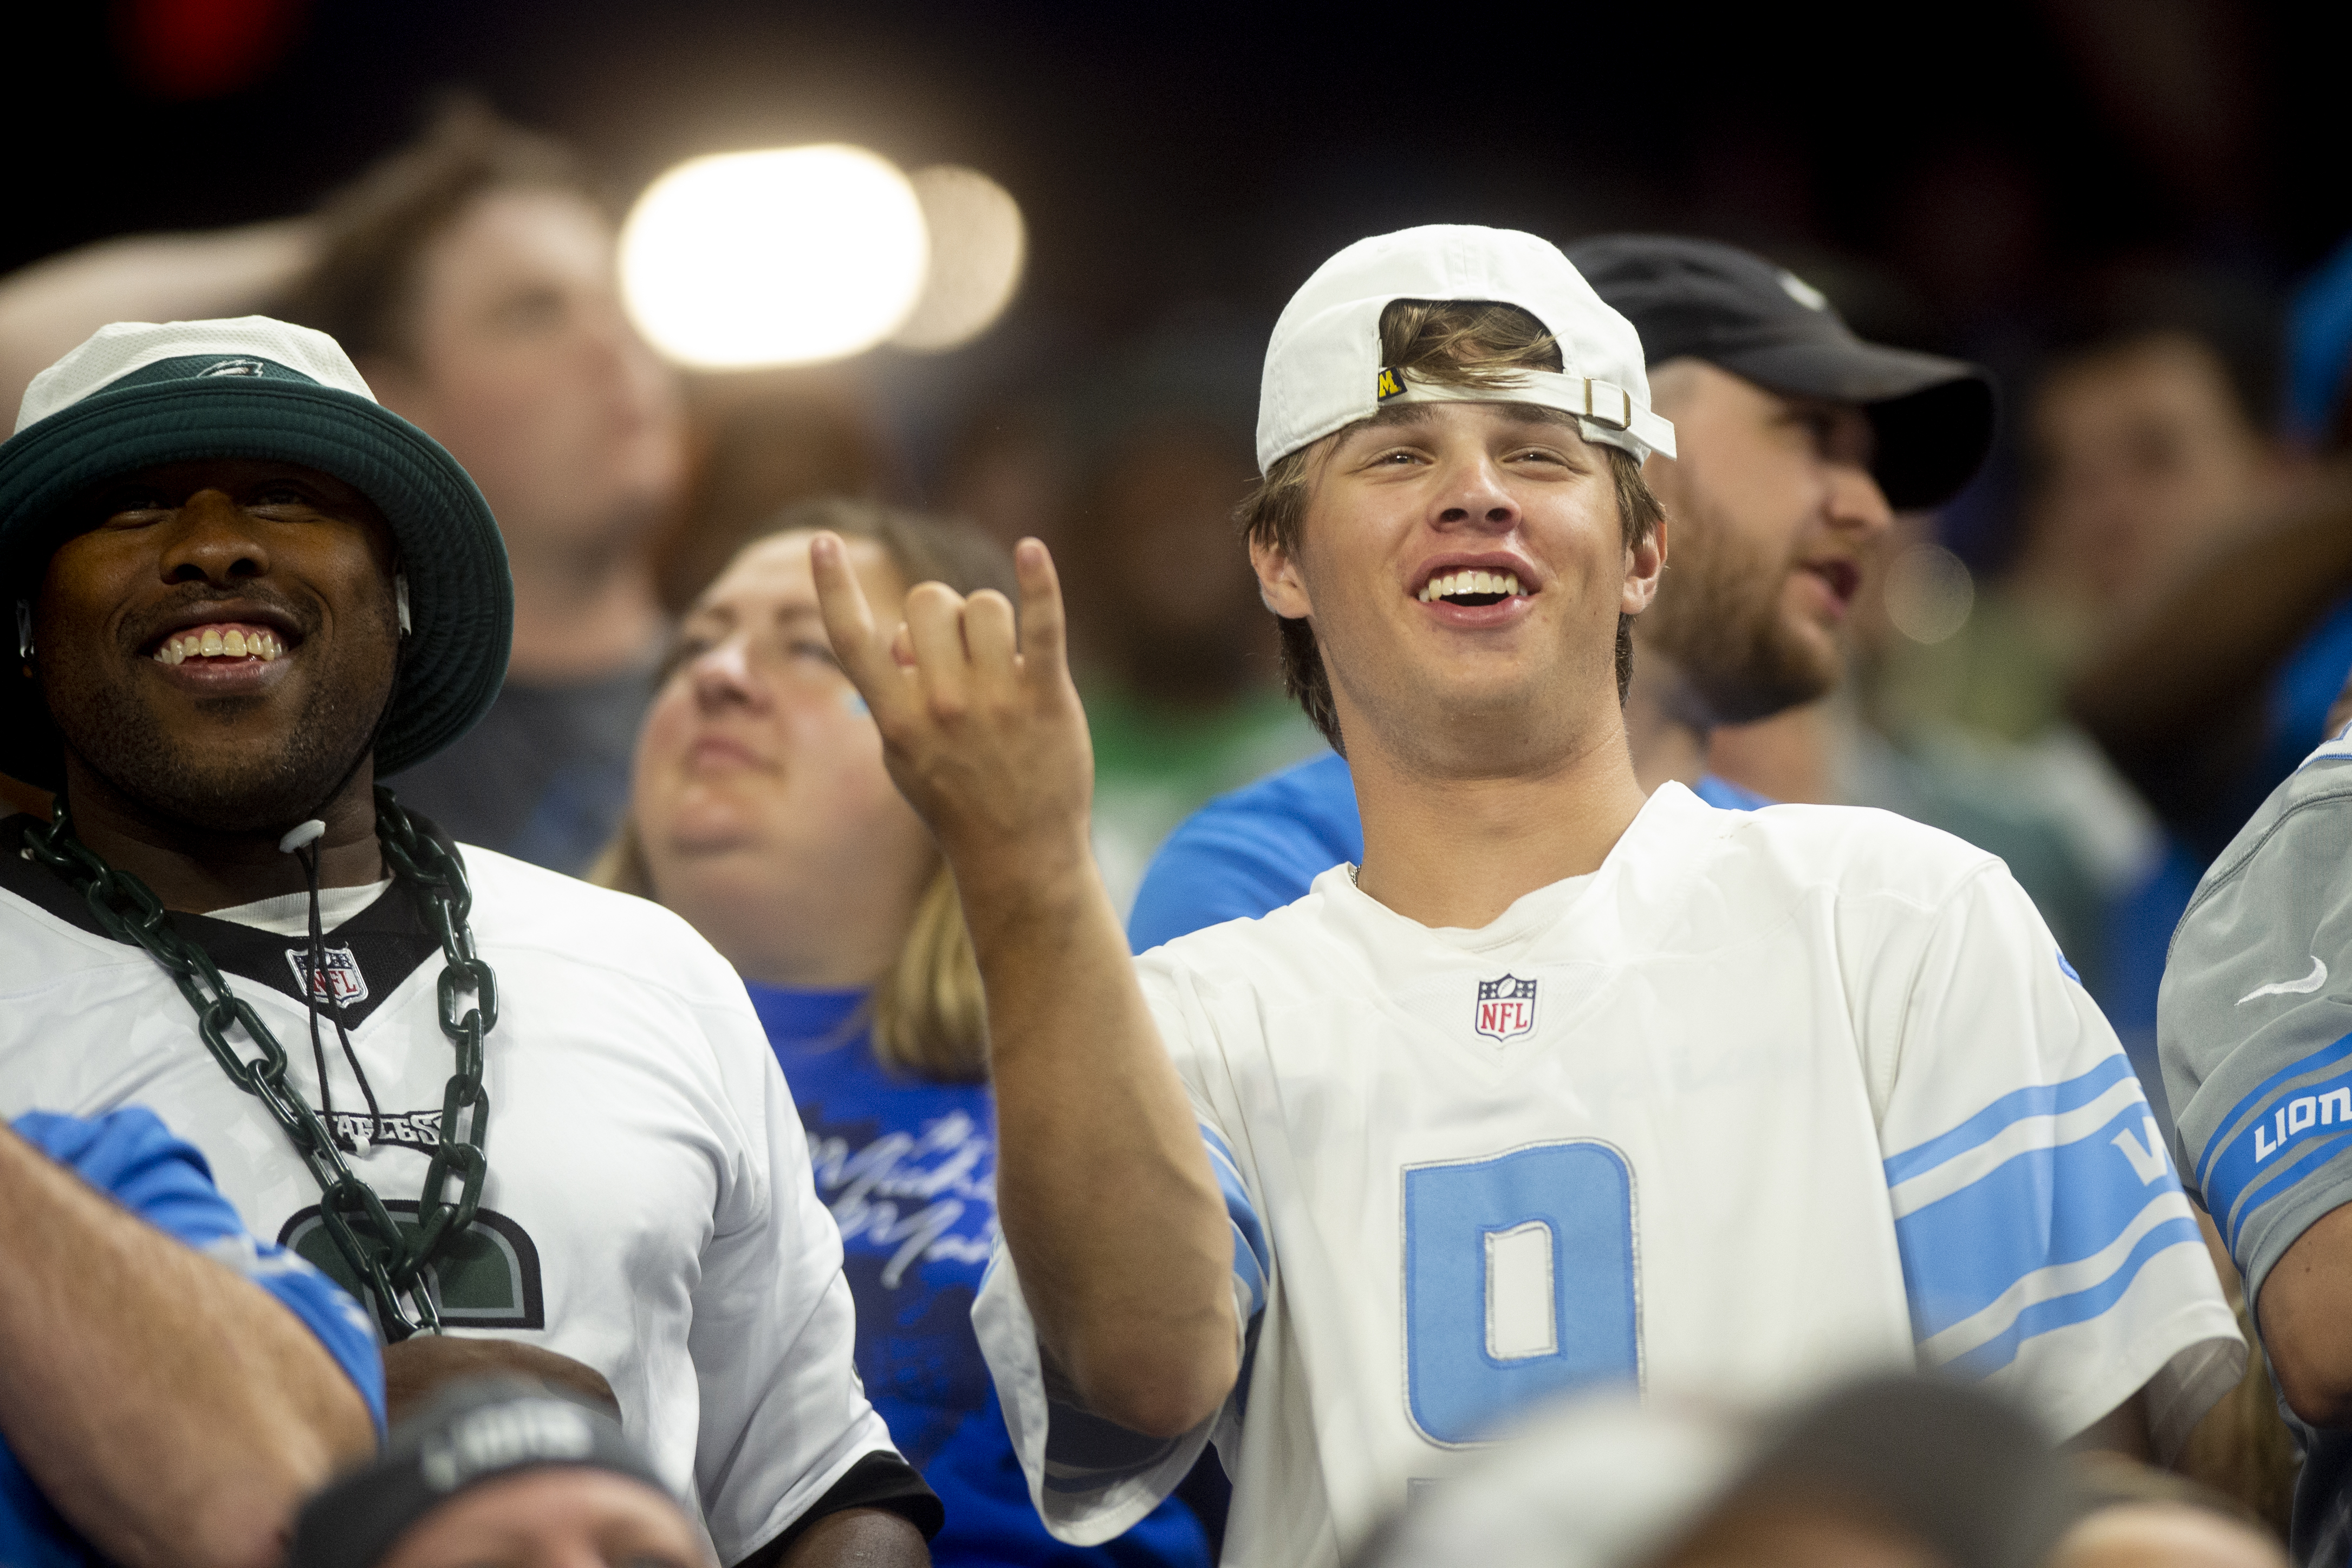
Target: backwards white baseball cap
1323,367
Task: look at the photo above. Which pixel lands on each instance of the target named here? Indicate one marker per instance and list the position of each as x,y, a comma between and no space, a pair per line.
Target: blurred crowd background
2095,662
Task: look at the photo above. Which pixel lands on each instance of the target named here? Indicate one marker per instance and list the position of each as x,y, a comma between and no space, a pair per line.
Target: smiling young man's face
1465,568
1778,513
220,643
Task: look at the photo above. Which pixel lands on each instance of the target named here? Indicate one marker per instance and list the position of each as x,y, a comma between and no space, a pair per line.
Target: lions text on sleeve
2255,1023
1767,1098
648,1208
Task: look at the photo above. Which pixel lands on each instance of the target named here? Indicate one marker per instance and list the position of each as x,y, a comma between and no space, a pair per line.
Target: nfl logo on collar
1507,1008
341,984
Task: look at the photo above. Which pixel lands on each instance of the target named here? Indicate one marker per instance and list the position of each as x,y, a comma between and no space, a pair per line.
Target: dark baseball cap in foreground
471,1433
1933,416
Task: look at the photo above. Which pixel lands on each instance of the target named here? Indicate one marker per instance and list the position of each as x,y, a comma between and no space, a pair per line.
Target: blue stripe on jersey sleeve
2044,1223
2081,1306
2254,1138
1252,1261
2041,1209
2040,1100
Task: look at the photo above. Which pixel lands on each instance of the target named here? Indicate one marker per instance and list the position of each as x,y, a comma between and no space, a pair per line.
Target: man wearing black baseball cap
1798,437
499,1471
1930,417
240,588
1798,440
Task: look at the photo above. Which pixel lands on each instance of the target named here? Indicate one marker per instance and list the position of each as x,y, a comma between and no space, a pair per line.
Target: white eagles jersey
648,1210
1768,1098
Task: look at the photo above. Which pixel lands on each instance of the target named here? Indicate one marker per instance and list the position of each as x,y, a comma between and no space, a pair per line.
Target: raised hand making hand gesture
981,728
984,733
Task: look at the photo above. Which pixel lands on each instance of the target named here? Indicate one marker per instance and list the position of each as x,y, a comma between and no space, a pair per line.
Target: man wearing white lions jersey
1561,1088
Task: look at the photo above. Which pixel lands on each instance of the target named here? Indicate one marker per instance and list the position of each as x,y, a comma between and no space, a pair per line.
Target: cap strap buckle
1607,404
1602,405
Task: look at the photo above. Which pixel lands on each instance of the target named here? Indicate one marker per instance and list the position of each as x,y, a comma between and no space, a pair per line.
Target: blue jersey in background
908,1169
1250,852
133,1158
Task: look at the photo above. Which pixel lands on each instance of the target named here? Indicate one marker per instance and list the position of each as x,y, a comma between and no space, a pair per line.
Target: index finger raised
863,649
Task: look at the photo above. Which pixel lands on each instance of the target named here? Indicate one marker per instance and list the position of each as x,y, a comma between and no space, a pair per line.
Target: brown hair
1454,343
362,290
929,1014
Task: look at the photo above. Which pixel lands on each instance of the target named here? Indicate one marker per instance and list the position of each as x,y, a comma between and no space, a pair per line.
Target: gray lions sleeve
2254,1022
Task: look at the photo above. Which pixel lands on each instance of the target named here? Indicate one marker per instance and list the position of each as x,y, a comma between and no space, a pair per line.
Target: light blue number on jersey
1518,1283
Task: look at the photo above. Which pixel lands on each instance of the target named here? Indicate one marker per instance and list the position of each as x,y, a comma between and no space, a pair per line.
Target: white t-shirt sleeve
783,1414
2047,1249
1089,1478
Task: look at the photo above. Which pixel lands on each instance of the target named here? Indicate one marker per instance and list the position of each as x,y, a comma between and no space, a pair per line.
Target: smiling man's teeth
1459,584
211,642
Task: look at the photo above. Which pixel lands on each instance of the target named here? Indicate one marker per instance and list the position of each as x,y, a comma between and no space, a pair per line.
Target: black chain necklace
390,1261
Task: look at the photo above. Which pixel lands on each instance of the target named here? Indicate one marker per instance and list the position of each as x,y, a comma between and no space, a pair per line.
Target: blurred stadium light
978,245
787,255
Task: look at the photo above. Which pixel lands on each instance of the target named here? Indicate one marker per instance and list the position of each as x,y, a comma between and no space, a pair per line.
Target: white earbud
302,836
23,630
400,600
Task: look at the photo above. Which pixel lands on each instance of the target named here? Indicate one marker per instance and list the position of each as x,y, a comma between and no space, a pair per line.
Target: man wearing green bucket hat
241,589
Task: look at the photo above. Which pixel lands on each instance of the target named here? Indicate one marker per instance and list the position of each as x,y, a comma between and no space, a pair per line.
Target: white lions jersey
1768,1098
648,1208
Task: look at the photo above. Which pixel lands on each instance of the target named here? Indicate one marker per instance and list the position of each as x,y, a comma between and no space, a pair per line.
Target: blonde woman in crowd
762,813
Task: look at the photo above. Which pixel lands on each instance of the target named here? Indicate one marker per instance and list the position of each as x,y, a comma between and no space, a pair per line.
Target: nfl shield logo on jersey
1507,1008
341,984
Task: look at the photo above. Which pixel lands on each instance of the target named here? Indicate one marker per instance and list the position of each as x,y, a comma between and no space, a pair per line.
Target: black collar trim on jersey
368,956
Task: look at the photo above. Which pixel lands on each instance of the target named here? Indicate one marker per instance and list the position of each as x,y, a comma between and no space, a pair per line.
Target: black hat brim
461,599
1933,416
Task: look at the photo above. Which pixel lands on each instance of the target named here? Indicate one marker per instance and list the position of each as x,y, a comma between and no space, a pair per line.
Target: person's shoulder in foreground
2253,988
133,1159
130,1157
2255,1031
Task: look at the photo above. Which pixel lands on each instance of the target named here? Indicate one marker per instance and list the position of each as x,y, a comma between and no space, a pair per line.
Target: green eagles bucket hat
139,394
